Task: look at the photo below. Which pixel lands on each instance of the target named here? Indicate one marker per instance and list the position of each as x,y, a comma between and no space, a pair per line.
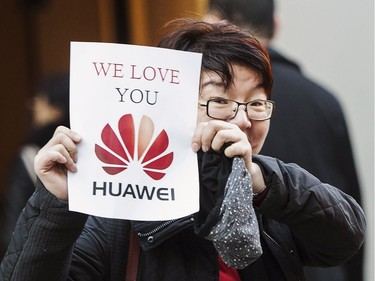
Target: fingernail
77,137
204,148
195,147
74,168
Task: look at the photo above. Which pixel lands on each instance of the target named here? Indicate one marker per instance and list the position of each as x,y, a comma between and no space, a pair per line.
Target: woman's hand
57,157
214,134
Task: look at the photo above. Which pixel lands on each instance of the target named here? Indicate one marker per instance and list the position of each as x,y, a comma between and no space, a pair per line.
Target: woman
298,220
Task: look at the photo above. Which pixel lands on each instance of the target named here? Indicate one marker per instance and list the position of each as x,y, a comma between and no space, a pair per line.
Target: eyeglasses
224,109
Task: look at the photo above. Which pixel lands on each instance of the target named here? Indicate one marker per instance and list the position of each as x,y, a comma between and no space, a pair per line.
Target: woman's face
246,87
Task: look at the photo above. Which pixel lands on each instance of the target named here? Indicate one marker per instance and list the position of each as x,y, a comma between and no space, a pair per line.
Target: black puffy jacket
302,222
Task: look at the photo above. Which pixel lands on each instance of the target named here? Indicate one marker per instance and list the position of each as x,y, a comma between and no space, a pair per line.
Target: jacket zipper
157,229
271,239
278,245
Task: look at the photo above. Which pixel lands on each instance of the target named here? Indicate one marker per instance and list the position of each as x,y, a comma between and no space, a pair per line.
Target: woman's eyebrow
219,84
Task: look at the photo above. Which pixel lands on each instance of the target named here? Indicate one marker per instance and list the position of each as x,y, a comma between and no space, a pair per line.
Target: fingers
196,139
56,158
216,133
71,134
235,137
67,138
55,155
240,149
61,149
204,134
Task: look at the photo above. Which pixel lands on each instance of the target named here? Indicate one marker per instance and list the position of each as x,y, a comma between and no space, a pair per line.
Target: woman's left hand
215,133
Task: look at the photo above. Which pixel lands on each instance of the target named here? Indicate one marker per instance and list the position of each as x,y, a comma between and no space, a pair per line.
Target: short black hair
256,15
222,44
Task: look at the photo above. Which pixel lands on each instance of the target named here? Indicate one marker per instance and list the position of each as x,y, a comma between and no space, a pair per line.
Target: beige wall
334,42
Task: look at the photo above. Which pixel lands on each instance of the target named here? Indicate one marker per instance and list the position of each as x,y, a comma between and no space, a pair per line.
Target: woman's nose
241,119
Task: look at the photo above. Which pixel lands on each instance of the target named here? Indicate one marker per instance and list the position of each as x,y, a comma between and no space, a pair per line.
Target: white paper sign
135,108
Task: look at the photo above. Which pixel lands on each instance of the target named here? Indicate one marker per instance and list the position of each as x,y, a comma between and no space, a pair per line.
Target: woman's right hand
57,157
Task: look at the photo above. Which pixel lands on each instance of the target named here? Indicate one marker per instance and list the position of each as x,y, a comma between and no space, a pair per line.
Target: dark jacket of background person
49,110
309,122
297,226
308,126
325,141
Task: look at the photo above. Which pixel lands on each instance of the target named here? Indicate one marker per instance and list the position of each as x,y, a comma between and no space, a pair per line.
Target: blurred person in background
50,108
308,127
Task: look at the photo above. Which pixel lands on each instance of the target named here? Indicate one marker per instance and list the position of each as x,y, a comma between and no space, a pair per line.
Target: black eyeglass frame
238,105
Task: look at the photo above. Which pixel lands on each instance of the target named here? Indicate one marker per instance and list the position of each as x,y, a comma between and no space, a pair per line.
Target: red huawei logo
120,151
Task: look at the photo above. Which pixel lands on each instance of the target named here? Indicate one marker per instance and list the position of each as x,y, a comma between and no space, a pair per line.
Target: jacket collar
278,58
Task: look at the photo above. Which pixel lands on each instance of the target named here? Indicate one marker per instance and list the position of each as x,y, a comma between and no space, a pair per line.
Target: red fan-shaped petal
158,147
107,157
114,170
110,139
155,175
161,163
127,132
